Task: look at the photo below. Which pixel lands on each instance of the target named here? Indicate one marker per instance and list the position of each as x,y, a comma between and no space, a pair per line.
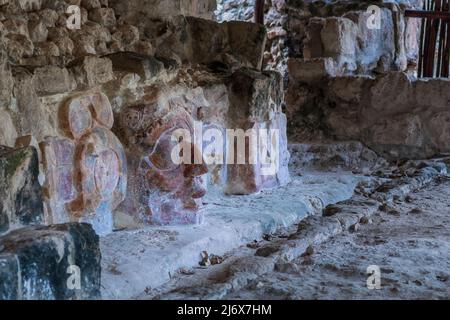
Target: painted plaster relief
86,172
161,191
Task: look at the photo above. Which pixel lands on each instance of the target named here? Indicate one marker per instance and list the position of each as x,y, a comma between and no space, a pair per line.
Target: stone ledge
134,261
245,264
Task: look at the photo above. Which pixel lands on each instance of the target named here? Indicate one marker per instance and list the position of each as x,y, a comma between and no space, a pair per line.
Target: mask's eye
165,148
132,119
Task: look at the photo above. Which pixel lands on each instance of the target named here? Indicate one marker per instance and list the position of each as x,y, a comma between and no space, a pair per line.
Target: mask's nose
193,169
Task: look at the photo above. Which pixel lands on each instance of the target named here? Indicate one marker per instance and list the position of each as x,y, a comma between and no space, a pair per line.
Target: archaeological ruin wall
87,115
348,80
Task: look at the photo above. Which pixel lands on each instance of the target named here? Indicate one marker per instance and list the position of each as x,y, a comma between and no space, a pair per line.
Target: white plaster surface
134,261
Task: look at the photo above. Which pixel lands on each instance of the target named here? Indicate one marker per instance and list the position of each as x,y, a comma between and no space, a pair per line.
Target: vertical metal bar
440,37
426,42
421,44
432,45
259,11
446,54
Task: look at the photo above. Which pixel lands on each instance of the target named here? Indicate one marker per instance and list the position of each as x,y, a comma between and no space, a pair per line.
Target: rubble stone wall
394,114
65,88
333,29
349,81
83,108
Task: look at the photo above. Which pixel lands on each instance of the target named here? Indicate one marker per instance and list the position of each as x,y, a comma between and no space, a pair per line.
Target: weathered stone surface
338,30
19,46
8,133
311,70
395,115
38,31
42,263
348,155
247,40
104,16
20,192
134,9
6,79
161,189
92,71
52,80
27,102
86,171
255,105
195,40
353,46
145,66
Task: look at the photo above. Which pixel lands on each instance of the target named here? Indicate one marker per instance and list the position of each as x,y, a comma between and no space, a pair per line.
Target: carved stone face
161,191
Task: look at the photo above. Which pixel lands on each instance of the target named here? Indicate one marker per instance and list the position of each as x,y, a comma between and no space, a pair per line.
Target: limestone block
103,16
313,47
312,70
255,108
135,9
6,80
65,46
209,40
126,34
20,193
43,263
47,49
392,93
86,171
244,42
401,136
8,133
18,46
342,32
27,102
439,127
31,5
339,41
254,96
91,4
432,94
194,40
145,48
38,31
48,17
52,80
91,71
247,42
16,26
146,67
348,89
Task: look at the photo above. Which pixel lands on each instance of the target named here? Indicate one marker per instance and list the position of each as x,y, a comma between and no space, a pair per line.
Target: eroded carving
86,173
160,191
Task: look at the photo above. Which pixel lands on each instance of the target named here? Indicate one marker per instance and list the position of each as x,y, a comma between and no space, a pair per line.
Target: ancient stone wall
91,92
358,83
67,88
350,81
332,29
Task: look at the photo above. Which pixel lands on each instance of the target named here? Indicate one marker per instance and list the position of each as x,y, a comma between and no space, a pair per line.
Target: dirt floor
410,242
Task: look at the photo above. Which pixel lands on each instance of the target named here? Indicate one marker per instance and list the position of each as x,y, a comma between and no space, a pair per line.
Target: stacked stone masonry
85,121
87,114
348,81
